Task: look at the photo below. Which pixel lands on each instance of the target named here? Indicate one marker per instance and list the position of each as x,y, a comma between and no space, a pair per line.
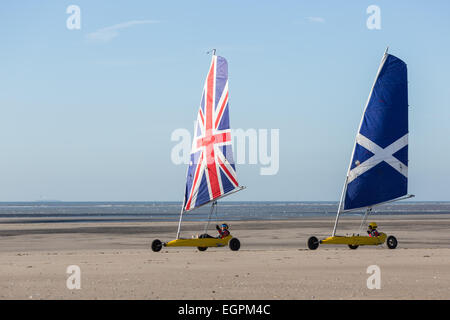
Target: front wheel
313,243
392,242
156,245
234,244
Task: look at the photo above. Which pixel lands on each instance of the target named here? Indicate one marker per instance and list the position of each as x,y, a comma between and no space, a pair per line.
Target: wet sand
116,261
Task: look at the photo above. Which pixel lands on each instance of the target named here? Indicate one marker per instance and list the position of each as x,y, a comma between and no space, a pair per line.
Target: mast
179,222
340,207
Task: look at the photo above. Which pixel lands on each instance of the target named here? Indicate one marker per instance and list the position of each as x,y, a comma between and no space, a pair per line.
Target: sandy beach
116,261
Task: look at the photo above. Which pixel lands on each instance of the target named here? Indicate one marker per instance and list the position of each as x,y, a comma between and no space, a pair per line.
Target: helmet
225,226
373,225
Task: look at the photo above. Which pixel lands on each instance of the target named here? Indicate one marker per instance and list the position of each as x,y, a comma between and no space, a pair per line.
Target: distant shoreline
147,212
92,219
179,201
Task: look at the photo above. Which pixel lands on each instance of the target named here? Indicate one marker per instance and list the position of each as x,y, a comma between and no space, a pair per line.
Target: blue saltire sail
378,171
211,173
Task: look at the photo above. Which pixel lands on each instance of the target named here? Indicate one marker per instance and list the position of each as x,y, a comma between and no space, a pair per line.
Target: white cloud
316,19
108,33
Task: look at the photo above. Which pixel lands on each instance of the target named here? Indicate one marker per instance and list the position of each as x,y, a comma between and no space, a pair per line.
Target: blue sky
84,117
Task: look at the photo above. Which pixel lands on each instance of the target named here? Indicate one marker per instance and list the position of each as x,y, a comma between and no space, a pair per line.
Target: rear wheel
313,243
392,242
202,248
353,246
234,244
156,245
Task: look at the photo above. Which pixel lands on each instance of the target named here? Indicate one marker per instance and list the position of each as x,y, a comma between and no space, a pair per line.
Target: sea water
51,212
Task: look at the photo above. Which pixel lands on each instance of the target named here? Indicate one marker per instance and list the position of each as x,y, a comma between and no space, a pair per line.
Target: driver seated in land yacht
372,230
223,232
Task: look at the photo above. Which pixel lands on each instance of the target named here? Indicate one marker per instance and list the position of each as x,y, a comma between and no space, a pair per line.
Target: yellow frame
356,240
199,242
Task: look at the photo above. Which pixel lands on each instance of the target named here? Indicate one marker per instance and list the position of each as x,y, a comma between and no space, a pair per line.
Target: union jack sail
211,173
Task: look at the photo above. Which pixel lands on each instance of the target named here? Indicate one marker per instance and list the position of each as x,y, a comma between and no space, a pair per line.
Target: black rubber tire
156,245
353,246
313,243
392,242
234,244
203,236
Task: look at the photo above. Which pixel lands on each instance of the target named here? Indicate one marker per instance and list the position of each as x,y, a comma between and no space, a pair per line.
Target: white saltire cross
380,155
